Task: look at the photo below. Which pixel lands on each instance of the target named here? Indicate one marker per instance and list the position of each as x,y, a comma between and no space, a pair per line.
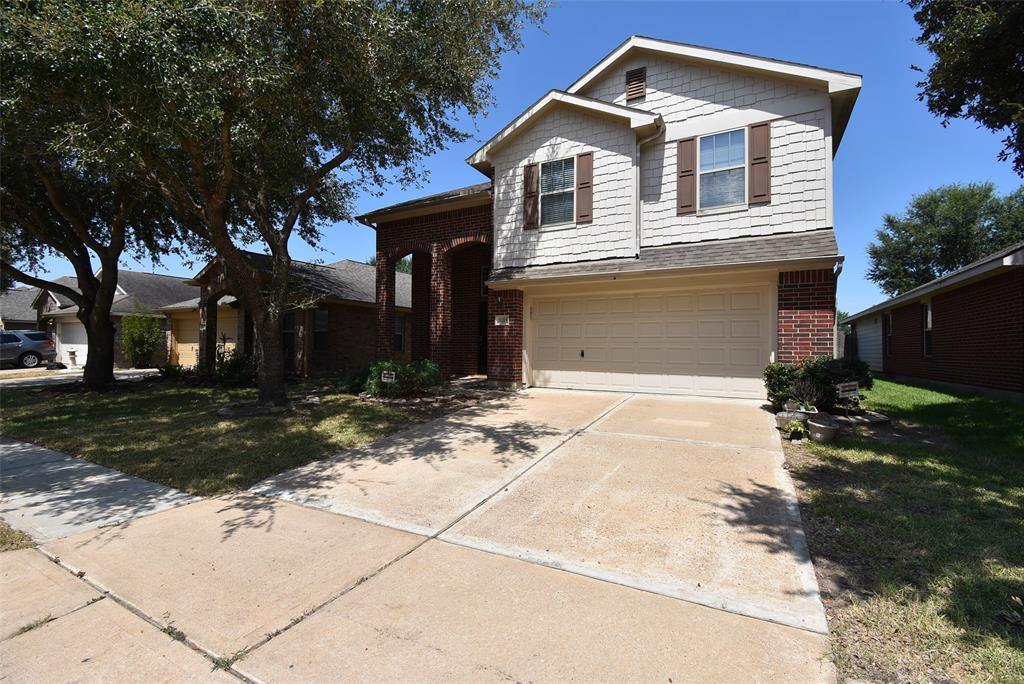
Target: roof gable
640,120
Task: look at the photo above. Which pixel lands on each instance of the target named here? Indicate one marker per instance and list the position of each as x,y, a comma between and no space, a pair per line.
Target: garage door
185,329
72,340
712,342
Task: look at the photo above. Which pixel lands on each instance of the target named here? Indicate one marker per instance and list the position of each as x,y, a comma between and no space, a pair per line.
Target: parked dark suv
26,348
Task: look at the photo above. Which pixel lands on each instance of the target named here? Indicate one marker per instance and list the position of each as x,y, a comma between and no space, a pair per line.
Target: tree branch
53,194
314,185
22,277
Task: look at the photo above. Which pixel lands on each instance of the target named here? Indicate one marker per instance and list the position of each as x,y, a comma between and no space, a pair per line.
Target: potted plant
806,396
822,428
794,429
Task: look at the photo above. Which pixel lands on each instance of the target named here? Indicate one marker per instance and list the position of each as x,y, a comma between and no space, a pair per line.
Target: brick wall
350,339
505,343
468,349
439,243
977,336
807,312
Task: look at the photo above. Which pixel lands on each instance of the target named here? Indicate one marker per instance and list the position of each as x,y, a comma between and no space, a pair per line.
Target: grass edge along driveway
917,535
169,432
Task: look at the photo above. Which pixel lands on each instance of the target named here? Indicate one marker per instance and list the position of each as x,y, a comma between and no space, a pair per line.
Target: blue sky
893,148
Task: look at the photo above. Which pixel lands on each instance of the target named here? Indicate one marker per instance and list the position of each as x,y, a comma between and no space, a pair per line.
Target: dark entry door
288,342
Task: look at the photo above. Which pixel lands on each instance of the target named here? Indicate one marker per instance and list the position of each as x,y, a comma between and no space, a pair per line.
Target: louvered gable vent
636,84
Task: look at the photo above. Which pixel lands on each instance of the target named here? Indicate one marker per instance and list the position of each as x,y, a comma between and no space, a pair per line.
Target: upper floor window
927,321
557,196
723,170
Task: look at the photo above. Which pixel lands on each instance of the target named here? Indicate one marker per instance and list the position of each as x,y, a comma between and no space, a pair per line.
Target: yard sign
387,376
848,390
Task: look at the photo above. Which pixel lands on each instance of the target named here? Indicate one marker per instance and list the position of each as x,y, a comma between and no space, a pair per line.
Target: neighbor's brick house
663,225
964,330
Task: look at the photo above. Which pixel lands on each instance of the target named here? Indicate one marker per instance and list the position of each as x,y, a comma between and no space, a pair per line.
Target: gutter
659,125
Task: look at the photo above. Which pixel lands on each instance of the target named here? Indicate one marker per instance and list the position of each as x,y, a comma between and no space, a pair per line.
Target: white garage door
71,338
712,342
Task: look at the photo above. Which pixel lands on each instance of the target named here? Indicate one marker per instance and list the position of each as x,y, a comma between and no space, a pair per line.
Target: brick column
440,308
420,318
385,306
807,314
505,343
207,331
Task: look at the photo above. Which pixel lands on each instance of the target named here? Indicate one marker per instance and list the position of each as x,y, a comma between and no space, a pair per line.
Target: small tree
141,336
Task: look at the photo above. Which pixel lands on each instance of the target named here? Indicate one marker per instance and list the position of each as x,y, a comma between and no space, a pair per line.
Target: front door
289,342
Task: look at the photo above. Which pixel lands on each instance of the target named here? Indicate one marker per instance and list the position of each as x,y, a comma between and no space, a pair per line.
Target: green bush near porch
413,378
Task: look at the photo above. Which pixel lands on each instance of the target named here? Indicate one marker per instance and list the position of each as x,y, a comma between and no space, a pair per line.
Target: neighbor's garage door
71,337
712,342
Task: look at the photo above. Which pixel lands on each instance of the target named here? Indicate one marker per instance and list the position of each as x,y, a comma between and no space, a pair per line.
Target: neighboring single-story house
138,293
964,330
16,312
333,327
663,224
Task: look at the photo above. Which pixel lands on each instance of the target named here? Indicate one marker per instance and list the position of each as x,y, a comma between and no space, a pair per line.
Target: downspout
835,323
659,124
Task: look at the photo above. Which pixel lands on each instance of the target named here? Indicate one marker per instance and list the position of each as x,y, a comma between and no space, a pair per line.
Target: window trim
724,208
540,193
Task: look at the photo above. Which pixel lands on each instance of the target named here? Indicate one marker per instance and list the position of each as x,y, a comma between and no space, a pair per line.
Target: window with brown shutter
585,187
531,208
636,84
760,164
686,187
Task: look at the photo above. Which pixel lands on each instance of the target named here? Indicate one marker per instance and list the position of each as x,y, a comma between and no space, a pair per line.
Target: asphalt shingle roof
737,251
16,304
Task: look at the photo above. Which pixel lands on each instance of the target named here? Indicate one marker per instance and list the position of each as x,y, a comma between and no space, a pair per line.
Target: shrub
172,371
813,381
141,336
410,378
353,382
233,367
778,380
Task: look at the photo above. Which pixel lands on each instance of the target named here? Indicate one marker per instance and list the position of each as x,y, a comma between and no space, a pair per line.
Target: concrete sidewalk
68,375
51,495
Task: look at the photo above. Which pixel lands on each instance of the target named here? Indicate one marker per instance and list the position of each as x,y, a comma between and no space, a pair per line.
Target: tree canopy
942,230
258,121
978,72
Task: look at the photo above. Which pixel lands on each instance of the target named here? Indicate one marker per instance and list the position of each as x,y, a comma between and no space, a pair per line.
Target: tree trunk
269,348
99,363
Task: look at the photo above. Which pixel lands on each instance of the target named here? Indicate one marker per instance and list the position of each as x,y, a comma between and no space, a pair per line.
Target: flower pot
823,430
782,418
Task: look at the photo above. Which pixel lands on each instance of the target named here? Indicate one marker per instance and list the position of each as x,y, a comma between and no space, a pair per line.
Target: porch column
207,331
241,331
440,308
385,306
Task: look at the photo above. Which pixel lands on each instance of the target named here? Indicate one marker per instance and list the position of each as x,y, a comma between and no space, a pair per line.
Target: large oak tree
258,120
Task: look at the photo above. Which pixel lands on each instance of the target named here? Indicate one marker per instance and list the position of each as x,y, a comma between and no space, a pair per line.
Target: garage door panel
691,342
745,329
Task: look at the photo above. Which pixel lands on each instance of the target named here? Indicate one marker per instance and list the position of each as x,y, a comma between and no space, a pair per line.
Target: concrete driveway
549,536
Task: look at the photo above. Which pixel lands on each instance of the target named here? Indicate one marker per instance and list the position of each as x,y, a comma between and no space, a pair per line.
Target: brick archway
438,236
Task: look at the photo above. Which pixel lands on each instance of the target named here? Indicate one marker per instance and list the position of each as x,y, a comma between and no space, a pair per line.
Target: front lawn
169,432
918,537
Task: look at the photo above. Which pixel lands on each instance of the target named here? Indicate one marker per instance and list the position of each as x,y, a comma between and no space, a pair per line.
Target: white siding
557,134
869,341
799,189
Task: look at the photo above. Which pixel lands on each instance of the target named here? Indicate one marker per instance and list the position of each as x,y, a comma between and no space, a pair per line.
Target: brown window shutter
585,187
636,83
686,182
760,171
531,196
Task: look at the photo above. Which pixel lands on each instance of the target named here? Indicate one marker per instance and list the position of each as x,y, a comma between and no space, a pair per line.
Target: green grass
922,544
169,432
12,539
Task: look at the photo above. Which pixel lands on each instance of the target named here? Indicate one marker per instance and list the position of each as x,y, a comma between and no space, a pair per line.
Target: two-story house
665,224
